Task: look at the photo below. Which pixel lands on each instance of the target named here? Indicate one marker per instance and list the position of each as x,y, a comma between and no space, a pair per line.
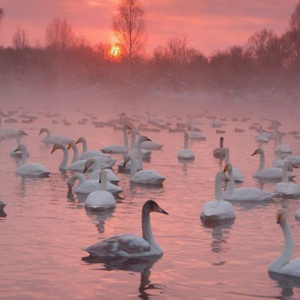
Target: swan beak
23,132
147,139
279,218
160,210
18,149
226,168
77,142
254,153
85,169
41,131
53,148
69,146
295,166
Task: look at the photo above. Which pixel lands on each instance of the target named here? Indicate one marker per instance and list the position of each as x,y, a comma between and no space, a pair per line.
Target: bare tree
20,39
295,18
59,35
129,26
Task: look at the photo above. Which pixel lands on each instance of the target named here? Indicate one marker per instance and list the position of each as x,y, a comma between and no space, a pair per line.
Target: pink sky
209,25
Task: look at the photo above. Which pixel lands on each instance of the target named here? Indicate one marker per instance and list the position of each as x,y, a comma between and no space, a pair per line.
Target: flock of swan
101,184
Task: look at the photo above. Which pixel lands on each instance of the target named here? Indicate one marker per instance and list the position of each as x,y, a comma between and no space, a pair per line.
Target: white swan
218,209
88,186
196,135
148,177
137,153
293,159
146,154
131,245
14,153
186,153
268,174
30,169
283,264
262,137
286,187
93,166
244,194
237,173
54,139
118,149
220,152
86,154
99,200
7,132
282,148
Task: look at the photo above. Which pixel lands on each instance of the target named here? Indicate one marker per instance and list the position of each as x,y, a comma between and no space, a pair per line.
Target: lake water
45,228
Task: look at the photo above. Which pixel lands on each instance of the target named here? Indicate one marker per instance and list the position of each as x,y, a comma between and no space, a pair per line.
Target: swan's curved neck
133,167
125,138
47,132
230,186
139,151
133,136
63,164
18,139
285,177
262,161
227,159
72,179
103,180
147,230
218,188
24,156
288,249
84,145
76,153
221,143
186,142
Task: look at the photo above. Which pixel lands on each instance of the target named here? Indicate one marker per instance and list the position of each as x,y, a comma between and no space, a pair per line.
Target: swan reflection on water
100,217
143,266
286,283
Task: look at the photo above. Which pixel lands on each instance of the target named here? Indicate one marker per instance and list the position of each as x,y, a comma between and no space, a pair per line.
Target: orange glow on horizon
115,51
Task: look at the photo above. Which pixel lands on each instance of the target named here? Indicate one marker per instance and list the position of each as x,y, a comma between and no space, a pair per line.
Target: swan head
43,130
257,151
22,132
228,167
80,140
152,206
71,145
144,138
88,164
281,215
221,175
56,146
21,148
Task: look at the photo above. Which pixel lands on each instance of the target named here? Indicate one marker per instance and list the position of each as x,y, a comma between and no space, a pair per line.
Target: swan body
86,154
55,139
131,245
218,209
151,145
118,149
286,187
185,153
237,173
15,153
147,177
244,194
282,148
2,205
93,166
88,186
262,137
99,200
30,169
268,174
197,135
283,264
220,152
7,132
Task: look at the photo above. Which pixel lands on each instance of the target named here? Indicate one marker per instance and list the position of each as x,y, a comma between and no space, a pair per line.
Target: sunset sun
115,51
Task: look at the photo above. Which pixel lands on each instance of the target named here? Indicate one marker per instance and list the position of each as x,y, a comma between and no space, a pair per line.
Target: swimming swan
30,169
185,153
131,245
220,152
53,139
283,264
218,209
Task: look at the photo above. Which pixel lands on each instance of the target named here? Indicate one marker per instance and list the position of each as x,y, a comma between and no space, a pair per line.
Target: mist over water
45,227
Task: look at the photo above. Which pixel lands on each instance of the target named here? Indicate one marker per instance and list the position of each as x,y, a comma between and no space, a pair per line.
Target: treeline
267,62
